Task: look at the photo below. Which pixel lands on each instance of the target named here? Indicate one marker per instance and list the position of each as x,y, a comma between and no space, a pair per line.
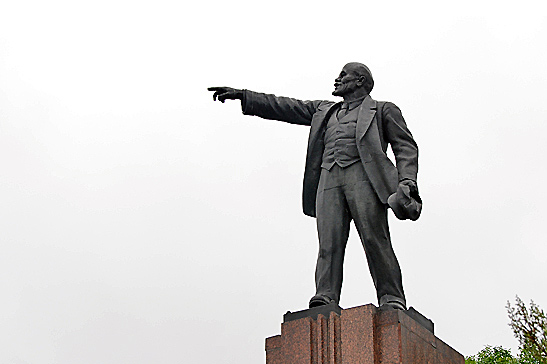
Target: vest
340,143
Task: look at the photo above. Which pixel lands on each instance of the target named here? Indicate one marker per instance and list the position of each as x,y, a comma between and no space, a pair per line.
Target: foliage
500,355
530,328
492,355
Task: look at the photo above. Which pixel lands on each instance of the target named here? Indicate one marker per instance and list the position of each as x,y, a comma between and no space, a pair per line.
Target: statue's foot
320,300
392,306
389,302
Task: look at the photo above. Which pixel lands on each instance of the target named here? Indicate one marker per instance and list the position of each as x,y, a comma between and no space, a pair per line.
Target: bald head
354,82
361,70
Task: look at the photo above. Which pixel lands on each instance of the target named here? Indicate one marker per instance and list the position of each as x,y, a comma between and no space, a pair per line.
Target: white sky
142,223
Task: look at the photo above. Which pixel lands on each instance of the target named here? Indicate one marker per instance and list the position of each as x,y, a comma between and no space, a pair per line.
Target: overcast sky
141,222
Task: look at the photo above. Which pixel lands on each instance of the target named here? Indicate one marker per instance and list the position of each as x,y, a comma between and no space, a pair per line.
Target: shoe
390,302
392,306
320,300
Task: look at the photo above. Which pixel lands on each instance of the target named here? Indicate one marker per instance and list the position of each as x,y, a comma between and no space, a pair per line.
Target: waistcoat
340,143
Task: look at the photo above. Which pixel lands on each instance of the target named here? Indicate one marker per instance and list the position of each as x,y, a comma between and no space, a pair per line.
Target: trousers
346,194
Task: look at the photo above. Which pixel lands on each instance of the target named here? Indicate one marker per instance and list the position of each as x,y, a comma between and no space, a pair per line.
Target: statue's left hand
224,93
412,186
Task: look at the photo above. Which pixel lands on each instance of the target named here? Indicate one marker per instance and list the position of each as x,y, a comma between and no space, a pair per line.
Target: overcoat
375,130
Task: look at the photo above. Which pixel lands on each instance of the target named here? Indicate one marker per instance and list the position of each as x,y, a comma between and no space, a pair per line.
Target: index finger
214,88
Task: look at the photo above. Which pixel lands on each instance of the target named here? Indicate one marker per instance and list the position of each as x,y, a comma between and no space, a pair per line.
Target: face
347,82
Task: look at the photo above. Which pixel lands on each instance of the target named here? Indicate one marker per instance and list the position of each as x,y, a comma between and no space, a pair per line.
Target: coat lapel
366,114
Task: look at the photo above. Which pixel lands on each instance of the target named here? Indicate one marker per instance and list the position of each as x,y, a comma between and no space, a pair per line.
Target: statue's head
355,77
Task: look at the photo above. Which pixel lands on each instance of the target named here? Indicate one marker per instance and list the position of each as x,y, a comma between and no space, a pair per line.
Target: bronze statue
348,176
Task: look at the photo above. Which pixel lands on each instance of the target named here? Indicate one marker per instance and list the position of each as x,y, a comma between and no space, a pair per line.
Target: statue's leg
370,217
333,223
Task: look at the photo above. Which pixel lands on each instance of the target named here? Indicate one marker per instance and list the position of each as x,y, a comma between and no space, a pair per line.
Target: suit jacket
373,134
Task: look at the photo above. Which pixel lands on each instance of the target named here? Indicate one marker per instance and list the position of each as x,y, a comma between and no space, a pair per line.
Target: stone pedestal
359,335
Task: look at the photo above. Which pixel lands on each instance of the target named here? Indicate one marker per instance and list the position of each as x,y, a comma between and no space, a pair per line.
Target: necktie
343,110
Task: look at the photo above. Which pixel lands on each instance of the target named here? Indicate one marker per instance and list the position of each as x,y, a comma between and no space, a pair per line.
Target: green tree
492,355
530,328
500,355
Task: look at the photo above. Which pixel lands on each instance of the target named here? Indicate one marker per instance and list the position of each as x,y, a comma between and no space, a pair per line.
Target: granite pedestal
359,335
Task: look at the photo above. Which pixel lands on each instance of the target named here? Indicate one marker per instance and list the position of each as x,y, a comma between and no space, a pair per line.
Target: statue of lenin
348,176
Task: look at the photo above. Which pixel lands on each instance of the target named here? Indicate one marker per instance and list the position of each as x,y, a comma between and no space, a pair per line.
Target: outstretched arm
269,106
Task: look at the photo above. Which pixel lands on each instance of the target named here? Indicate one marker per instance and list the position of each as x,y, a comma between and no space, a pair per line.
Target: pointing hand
224,93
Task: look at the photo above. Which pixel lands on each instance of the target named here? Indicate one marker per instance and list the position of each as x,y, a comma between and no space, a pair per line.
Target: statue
348,176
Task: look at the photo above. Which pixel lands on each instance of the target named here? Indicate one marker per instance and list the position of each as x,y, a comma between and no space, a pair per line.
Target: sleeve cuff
245,103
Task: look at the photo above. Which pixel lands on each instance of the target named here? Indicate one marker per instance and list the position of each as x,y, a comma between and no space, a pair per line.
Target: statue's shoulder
387,108
386,105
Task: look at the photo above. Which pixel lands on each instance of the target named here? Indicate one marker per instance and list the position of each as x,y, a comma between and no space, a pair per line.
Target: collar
353,104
